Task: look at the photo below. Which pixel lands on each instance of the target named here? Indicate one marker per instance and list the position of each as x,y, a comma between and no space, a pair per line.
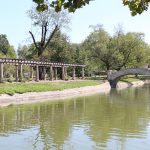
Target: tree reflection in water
120,115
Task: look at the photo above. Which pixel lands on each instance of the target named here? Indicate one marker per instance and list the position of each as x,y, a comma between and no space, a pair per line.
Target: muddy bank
33,97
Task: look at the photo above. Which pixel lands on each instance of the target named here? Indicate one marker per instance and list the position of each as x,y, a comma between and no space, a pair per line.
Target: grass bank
12,88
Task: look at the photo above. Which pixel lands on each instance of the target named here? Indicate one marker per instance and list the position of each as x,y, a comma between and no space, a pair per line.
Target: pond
117,121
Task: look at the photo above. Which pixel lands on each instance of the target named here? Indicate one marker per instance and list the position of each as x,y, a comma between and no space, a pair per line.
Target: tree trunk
41,68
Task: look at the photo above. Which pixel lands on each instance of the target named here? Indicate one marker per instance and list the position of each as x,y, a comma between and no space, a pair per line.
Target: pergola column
37,73
31,72
1,72
20,73
66,75
51,72
63,73
17,77
74,73
82,72
55,73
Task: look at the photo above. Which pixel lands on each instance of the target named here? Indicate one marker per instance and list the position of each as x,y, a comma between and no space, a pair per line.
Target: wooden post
82,72
37,73
31,72
51,72
17,73
20,73
1,72
74,73
63,73
55,73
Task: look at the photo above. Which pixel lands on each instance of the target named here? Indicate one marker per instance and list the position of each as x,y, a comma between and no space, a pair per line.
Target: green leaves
116,52
42,7
137,6
6,50
71,5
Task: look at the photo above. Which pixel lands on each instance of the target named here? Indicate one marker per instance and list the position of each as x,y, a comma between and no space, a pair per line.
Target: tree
58,50
27,52
115,52
137,6
71,5
48,22
96,45
6,50
131,50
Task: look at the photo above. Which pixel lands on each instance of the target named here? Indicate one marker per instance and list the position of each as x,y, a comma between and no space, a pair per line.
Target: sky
15,23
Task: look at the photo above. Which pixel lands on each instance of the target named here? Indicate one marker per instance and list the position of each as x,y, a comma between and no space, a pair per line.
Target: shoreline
34,97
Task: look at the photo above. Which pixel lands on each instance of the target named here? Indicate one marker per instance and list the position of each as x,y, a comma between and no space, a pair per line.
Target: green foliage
137,6
27,52
71,5
131,50
115,52
6,50
58,50
4,44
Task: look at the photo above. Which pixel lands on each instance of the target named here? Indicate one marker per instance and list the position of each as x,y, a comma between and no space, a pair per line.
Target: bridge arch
114,77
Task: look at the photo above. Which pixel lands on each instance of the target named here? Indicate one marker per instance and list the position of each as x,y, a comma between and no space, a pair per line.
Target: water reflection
119,120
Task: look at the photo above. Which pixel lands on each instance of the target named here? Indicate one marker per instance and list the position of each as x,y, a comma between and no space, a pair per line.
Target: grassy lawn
129,79
12,88
132,78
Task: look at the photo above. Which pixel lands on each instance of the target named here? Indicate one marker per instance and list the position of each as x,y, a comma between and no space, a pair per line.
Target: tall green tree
115,52
132,50
96,45
6,50
47,23
60,48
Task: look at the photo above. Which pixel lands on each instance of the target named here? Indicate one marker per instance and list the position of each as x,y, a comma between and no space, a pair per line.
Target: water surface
117,121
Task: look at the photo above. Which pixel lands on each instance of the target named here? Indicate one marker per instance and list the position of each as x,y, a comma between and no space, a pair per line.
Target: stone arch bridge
114,77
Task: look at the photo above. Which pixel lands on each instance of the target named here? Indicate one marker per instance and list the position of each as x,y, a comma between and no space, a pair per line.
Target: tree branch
51,36
34,40
42,36
45,32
